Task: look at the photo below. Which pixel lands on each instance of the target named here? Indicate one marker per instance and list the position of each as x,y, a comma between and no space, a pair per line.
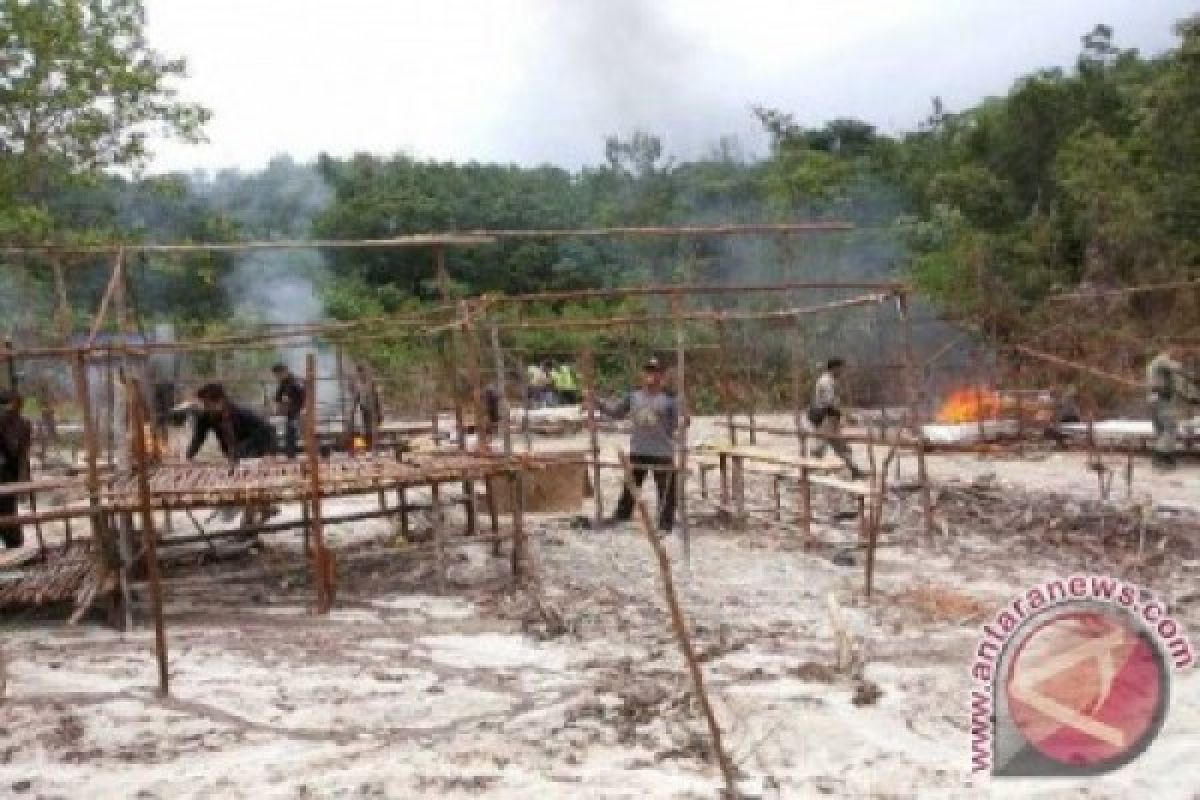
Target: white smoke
279,287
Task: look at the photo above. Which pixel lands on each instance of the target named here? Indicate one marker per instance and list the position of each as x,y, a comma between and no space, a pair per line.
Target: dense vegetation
1083,176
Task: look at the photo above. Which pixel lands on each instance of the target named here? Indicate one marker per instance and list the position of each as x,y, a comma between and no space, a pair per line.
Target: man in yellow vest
566,384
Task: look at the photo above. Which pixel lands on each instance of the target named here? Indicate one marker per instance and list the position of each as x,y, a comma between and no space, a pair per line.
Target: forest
1087,176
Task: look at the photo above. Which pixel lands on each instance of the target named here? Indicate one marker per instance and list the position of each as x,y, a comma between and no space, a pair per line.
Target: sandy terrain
401,693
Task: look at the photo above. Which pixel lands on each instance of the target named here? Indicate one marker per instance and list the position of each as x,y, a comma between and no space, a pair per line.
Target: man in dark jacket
240,432
15,436
289,400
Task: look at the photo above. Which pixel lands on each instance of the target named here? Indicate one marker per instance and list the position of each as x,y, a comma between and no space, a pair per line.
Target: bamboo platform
281,481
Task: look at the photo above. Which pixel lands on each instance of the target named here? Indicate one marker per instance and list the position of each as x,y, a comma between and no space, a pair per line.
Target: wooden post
506,431
588,362
62,311
914,414
526,404
149,536
517,486
681,433
806,506
435,513
347,419
102,541
682,635
322,568
478,409
725,378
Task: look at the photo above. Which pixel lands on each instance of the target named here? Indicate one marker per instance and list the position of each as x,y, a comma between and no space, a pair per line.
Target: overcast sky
535,81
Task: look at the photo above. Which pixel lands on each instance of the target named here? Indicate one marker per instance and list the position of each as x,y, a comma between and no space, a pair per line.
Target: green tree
80,91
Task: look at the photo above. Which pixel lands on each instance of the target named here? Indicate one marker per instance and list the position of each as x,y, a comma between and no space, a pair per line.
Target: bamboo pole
470,338
726,379
91,455
914,416
339,370
680,478
321,568
149,536
696,288
114,282
439,533
780,315
682,635
588,362
441,240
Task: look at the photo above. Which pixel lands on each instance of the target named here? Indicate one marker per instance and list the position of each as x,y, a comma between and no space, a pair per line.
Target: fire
970,404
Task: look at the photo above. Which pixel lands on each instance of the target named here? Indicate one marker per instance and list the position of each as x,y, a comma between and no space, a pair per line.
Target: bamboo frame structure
456,323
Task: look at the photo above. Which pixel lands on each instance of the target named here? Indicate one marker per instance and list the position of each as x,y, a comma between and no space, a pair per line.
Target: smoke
277,288
618,66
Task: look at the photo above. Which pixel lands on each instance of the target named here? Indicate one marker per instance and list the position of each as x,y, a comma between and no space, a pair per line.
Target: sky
545,81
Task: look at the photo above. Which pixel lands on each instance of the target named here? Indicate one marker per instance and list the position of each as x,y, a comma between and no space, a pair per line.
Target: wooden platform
280,480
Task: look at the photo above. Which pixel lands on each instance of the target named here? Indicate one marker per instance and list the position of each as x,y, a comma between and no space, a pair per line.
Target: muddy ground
401,692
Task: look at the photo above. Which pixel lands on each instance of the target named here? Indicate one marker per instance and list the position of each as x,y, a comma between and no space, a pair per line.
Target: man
289,401
825,415
566,384
16,434
240,432
1167,387
364,400
655,416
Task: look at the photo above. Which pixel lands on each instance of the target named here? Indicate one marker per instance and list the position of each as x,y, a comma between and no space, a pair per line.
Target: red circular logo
1087,689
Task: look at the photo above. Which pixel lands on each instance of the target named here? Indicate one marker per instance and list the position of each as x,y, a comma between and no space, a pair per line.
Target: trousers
664,485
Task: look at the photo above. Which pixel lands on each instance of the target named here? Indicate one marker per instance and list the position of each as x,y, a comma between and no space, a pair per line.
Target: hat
652,364
834,363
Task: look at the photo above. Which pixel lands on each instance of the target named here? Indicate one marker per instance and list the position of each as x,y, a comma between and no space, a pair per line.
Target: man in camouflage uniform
825,416
1168,387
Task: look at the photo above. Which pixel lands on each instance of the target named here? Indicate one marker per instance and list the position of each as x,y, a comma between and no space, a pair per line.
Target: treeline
1089,175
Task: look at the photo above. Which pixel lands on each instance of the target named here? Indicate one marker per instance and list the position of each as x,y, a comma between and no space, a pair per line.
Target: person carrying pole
289,401
16,435
654,414
824,416
1167,387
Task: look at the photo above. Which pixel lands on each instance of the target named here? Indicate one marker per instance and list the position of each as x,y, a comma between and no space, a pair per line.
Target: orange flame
970,404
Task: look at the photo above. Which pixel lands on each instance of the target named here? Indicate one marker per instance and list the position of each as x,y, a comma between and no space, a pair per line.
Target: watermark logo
1073,678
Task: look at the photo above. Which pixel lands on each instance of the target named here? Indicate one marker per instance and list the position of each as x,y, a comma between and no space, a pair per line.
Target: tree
81,90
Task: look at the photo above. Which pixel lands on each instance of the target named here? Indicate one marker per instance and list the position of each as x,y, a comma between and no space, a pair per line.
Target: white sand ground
400,693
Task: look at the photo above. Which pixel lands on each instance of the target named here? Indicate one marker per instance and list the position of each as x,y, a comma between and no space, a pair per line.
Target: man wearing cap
654,415
240,432
16,434
825,415
289,401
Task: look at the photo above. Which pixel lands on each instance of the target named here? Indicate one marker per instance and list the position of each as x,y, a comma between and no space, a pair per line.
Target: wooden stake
149,536
681,433
724,377
322,572
682,635
588,362
914,416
